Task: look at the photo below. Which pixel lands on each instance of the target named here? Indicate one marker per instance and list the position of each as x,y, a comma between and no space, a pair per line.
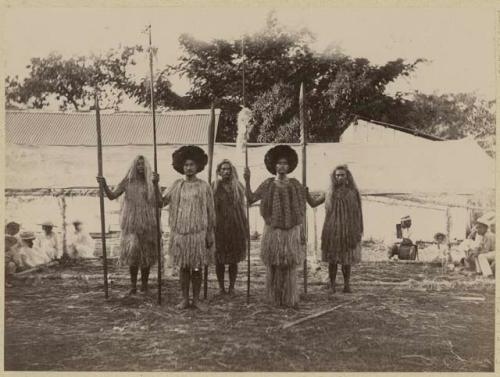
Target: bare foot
231,292
199,306
133,291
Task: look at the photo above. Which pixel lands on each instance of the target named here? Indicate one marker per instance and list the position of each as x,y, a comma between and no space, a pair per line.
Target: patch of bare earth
401,317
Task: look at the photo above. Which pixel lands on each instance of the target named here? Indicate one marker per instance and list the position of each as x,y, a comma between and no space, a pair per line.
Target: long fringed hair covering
138,205
237,188
343,209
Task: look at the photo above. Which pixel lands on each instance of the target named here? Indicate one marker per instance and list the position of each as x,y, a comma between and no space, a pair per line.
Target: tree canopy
275,61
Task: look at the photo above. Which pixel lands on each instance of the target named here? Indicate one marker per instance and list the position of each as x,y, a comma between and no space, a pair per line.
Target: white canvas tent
436,169
458,167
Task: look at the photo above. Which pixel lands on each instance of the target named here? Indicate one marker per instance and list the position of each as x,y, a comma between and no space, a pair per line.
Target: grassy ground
401,317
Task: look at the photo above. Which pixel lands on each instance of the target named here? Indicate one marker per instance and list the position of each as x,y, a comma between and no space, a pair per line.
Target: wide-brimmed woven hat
27,235
48,223
487,219
189,152
281,151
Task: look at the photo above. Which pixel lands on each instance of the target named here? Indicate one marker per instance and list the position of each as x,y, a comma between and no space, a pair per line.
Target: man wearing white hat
48,242
31,256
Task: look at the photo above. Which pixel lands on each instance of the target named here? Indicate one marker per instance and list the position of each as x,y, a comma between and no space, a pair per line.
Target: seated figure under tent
81,244
403,247
30,255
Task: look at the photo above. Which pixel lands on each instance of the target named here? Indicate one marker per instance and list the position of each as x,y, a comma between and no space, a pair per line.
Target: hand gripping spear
101,193
157,210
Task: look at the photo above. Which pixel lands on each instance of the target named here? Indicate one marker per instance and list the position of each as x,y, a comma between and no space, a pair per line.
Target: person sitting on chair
404,236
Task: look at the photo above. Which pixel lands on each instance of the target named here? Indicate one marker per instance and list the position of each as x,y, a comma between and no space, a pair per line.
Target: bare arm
111,194
314,202
251,196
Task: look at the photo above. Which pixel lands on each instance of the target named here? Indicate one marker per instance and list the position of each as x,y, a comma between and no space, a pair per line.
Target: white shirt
49,244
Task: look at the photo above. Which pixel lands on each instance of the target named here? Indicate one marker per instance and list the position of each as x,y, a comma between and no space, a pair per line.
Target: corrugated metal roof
120,128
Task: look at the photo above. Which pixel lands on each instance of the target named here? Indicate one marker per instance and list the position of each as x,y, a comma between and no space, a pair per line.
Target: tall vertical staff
211,141
101,193
303,142
244,129
157,210
246,166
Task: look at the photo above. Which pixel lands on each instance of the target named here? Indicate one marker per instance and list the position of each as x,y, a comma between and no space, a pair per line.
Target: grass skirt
282,252
348,257
190,250
138,250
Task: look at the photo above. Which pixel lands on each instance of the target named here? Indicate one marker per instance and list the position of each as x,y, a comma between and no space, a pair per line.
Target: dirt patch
401,317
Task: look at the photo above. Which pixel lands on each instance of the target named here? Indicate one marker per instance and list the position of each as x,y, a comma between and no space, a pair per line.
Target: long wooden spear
157,206
247,131
211,141
101,193
303,142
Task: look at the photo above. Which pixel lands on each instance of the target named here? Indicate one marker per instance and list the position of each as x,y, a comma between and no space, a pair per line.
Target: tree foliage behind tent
276,61
71,82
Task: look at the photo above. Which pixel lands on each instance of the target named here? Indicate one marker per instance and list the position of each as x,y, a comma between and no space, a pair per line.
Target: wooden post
315,212
101,194
211,141
303,142
62,205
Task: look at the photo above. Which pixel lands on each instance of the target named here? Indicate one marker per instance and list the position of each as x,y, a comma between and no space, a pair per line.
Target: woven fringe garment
231,225
282,250
192,221
138,225
343,228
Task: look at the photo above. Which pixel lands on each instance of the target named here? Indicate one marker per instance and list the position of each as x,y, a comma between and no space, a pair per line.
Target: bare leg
346,270
332,273
134,270
233,273
220,270
185,278
196,278
144,279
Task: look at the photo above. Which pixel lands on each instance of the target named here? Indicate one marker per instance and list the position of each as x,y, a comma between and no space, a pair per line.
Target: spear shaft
303,142
101,194
211,141
157,206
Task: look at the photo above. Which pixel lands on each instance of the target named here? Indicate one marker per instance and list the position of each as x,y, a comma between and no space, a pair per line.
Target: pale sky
460,43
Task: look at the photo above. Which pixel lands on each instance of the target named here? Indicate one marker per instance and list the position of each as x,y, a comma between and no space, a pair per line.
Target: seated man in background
30,255
12,230
13,262
482,252
404,236
48,242
81,244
